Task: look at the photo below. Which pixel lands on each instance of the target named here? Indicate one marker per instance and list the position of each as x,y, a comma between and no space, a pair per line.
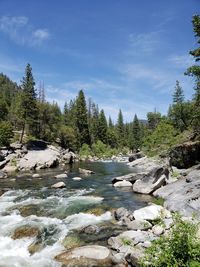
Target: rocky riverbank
33,156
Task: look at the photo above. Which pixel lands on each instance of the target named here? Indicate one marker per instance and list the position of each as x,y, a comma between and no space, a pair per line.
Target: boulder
36,145
39,159
68,157
158,230
25,231
123,184
135,256
151,213
16,146
3,175
85,172
86,256
3,163
59,185
2,157
135,156
152,181
10,168
76,178
182,196
61,176
139,225
120,213
185,155
35,175
131,177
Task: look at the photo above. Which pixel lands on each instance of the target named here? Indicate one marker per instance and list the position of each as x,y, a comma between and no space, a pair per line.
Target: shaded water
58,212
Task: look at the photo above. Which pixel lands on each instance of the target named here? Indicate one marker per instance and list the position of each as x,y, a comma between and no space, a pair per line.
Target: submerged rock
85,172
86,256
25,231
36,175
72,241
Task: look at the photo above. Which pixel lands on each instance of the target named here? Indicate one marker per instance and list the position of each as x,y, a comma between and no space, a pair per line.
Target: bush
181,248
67,137
6,133
85,151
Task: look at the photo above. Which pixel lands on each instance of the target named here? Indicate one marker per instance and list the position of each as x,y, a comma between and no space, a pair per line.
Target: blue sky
124,53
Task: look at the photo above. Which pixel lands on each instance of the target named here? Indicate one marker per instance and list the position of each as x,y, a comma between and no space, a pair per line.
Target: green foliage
161,139
6,133
126,241
153,119
85,151
102,127
179,248
67,137
159,201
120,129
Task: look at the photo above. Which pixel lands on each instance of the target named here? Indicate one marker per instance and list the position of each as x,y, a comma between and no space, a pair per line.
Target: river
59,212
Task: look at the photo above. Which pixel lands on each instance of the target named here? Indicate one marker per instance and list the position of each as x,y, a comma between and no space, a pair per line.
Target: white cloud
41,34
21,31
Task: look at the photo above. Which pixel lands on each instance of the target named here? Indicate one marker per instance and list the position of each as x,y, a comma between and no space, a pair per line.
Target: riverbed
58,213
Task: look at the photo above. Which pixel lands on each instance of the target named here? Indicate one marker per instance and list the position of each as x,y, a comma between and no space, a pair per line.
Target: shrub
181,248
85,151
6,133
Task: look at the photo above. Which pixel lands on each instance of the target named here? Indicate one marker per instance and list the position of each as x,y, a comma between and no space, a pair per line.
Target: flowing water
56,213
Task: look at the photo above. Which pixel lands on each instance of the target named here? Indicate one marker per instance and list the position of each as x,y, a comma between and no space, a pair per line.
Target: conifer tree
102,127
120,129
82,119
136,131
29,111
94,123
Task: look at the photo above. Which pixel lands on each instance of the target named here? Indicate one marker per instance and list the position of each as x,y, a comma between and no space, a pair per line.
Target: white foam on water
14,253
83,219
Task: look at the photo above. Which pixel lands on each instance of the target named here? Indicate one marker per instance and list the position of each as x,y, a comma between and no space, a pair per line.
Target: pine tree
94,123
120,129
102,127
82,119
178,96
110,123
136,131
29,109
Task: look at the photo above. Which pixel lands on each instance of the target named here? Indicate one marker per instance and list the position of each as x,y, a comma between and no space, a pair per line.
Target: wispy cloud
21,31
181,61
145,42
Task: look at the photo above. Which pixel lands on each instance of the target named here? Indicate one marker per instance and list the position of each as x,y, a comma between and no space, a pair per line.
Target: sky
124,54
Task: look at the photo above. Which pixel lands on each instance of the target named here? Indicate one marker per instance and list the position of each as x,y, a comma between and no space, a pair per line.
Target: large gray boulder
86,256
123,184
156,178
183,195
39,159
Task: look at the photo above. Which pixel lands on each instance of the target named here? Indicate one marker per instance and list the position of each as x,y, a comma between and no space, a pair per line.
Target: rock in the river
123,184
139,225
58,185
68,157
35,175
182,196
61,176
85,172
90,229
152,181
86,256
185,155
25,231
10,168
151,213
76,178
